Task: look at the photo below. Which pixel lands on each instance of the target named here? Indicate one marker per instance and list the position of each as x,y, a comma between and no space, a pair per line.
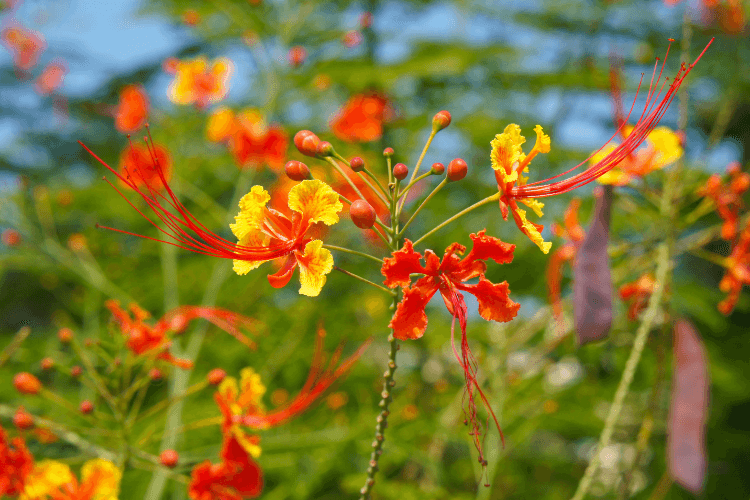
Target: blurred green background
489,64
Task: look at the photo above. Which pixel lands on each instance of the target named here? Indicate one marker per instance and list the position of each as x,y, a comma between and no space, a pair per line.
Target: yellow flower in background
199,82
662,147
53,480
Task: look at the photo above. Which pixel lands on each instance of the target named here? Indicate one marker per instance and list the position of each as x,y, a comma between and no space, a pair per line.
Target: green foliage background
485,81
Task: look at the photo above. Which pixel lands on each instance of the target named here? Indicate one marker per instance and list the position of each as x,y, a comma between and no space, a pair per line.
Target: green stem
416,168
353,252
411,183
360,278
382,420
423,204
463,212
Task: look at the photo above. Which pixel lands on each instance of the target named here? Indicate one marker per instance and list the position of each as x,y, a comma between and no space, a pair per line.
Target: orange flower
25,45
738,271
16,463
132,109
138,163
448,276
727,197
251,141
143,338
236,477
200,83
637,293
51,78
361,119
572,231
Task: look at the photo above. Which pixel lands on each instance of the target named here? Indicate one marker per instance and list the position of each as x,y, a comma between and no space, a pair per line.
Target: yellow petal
104,478
228,389
250,445
542,144
46,477
253,122
602,154
252,212
531,231
615,177
506,150
253,239
533,204
220,124
316,201
182,88
251,388
666,145
314,264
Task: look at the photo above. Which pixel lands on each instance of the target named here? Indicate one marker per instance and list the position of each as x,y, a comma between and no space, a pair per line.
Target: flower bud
86,407
22,419
400,171
362,214
388,152
440,121
216,376
11,237
297,171
65,335
438,169
47,364
734,168
169,458
76,371
457,169
325,148
307,143
357,164
297,56
26,383
155,374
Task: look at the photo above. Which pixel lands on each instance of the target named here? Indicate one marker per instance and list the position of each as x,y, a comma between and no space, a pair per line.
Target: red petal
246,477
488,247
686,441
494,303
410,320
404,262
283,275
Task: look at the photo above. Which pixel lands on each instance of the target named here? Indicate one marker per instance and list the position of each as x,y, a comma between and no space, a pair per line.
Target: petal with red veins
488,247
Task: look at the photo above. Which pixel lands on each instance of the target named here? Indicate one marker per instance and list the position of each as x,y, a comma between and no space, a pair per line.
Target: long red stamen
186,231
469,365
653,111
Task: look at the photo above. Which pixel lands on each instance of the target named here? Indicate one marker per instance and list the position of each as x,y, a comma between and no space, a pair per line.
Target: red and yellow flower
199,82
738,271
236,477
251,141
637,293
16,463
727,197
53,480
510,163
310,201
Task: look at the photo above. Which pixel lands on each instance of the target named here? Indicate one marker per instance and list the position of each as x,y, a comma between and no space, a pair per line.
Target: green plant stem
381,196
14,344
411,183
65,434
181,377
360,278
163,404
353,252
412,180
423,204
463,212
382,419
377,181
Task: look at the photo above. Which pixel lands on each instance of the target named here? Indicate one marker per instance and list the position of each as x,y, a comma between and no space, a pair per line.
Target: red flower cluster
448,276
25,45
145,339
251,141
132,109
236,477
637,293
16,463
728,197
